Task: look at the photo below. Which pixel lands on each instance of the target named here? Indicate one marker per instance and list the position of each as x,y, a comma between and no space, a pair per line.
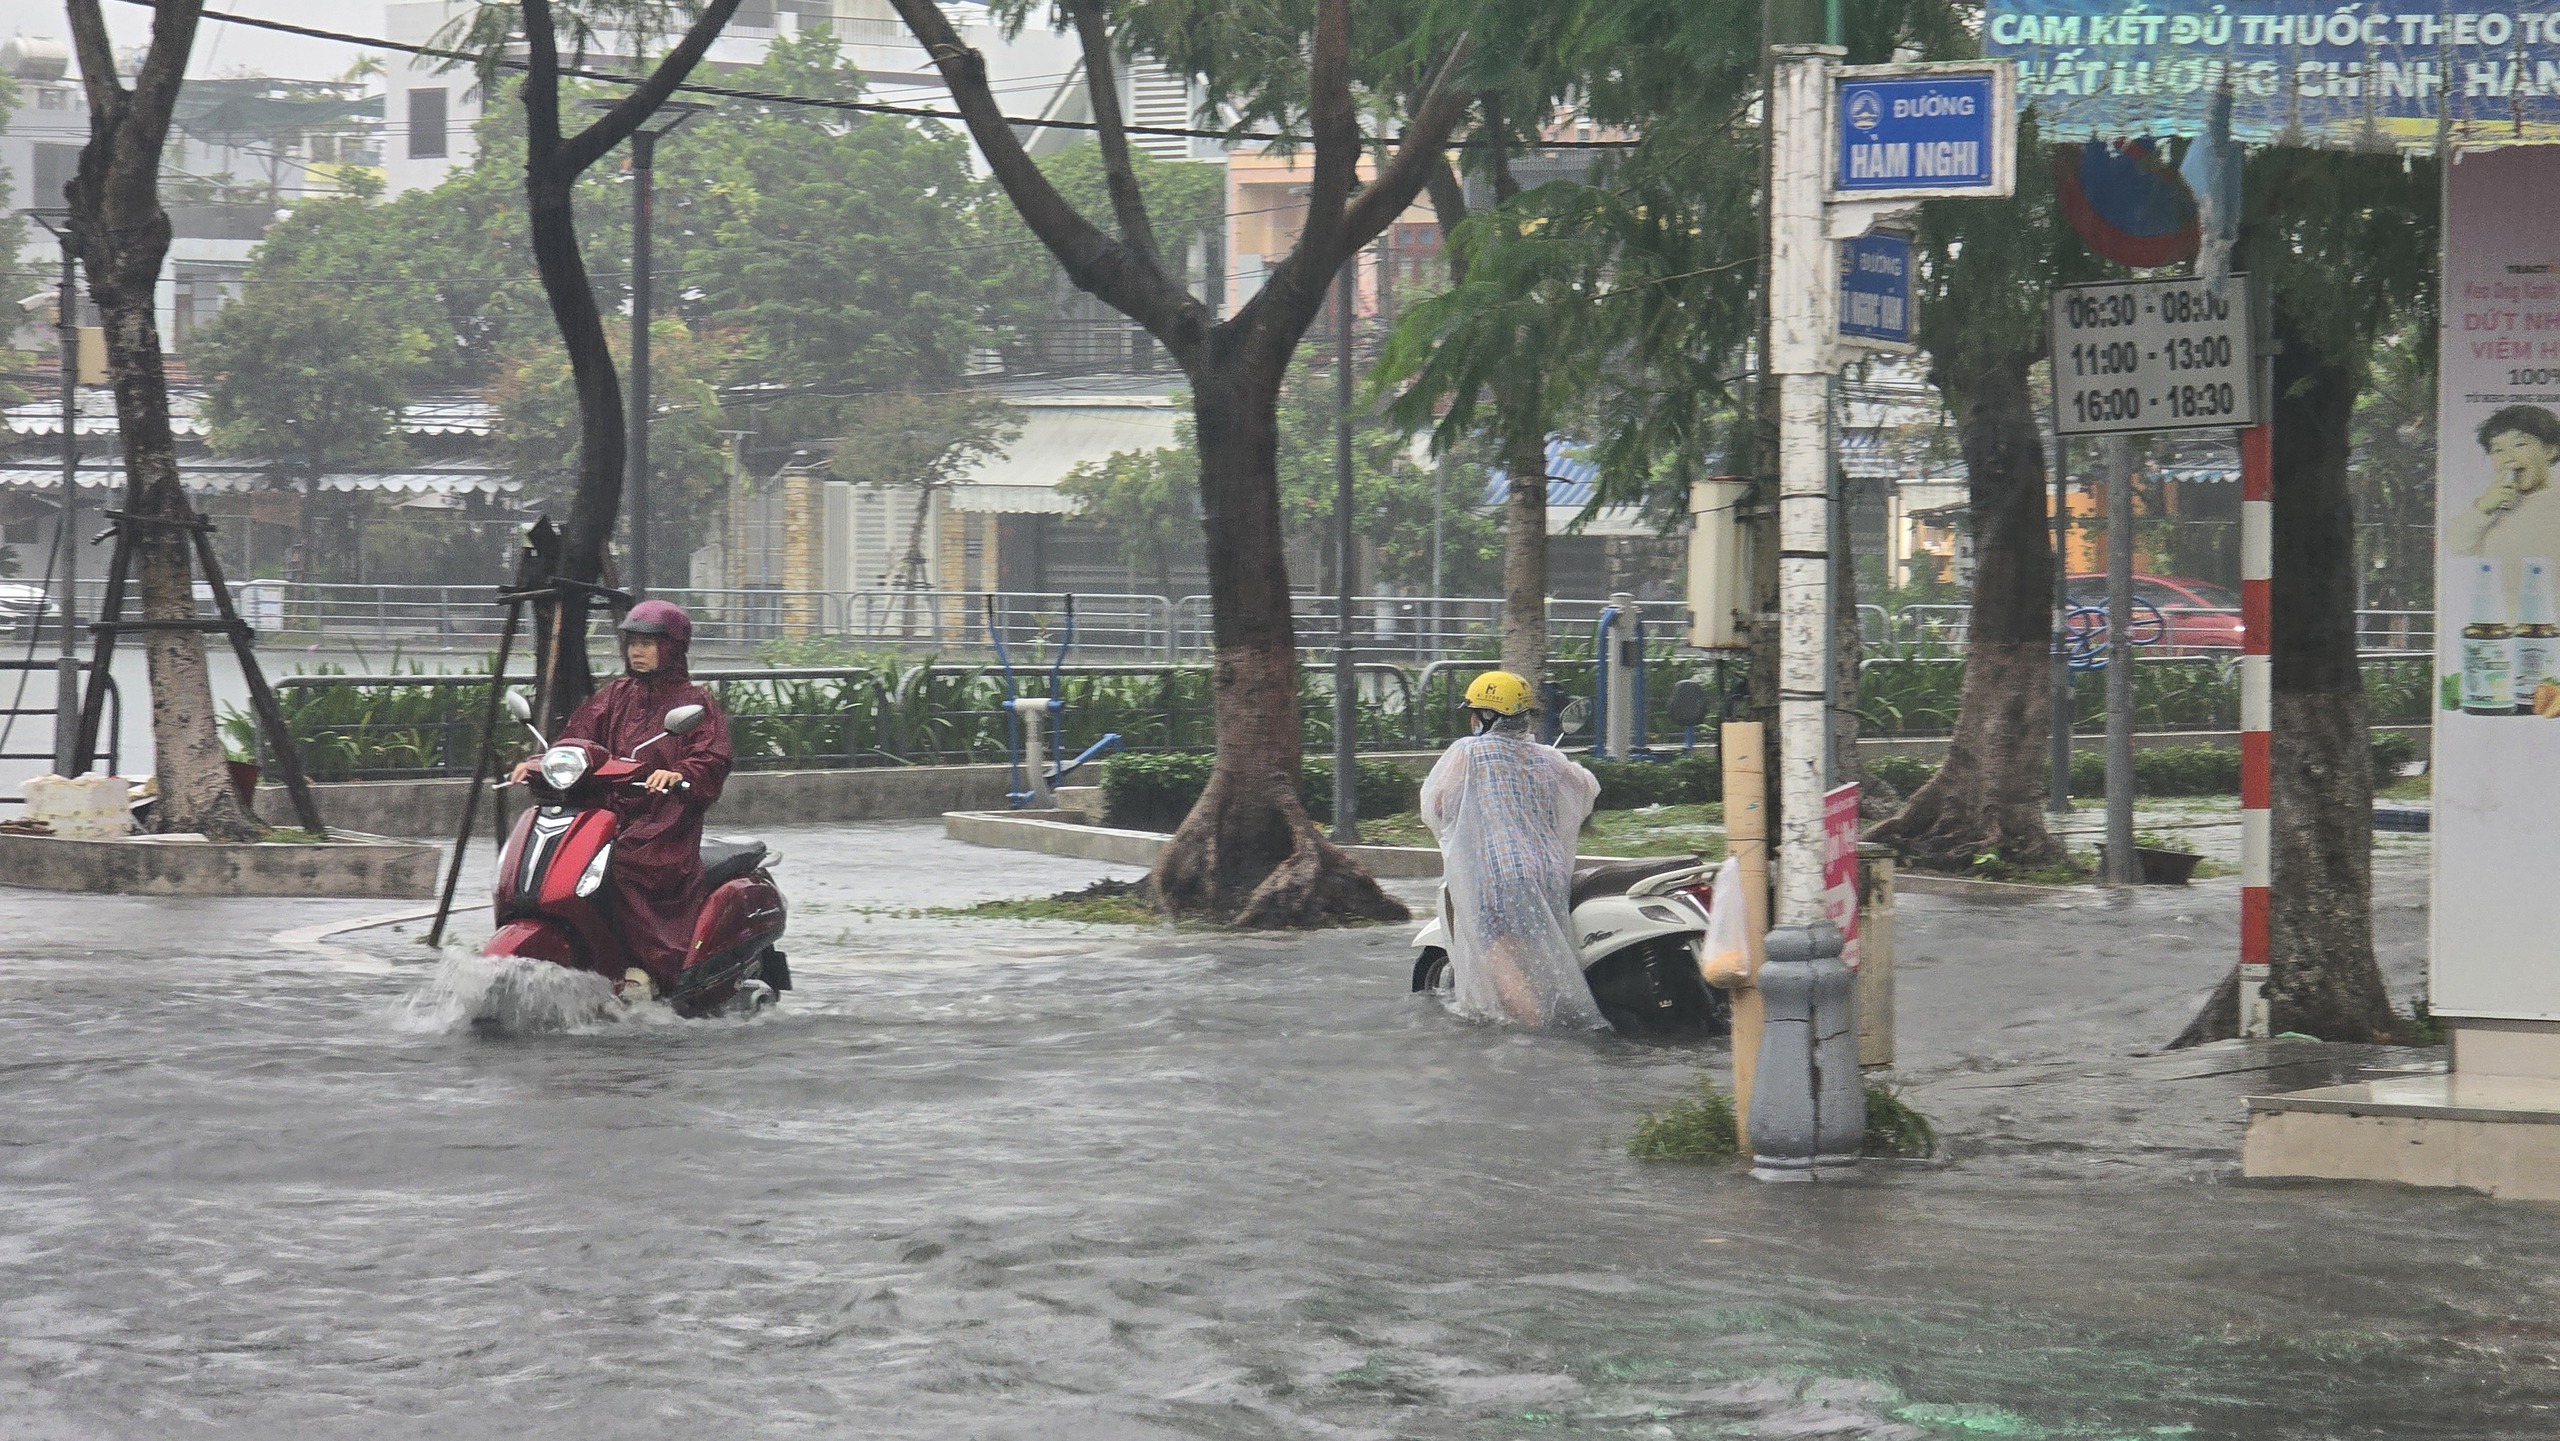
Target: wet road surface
977,1180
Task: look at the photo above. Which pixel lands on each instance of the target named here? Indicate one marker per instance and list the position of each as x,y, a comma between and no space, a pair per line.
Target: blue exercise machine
1031,725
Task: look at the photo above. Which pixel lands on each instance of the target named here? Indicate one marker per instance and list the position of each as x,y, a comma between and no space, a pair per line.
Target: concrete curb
348,866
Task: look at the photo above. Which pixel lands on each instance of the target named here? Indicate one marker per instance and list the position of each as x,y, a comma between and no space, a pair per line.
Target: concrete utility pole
1803,318
1849,148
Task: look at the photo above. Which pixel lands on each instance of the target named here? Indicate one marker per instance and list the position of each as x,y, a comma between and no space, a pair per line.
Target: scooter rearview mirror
683,719
519,707
1577,714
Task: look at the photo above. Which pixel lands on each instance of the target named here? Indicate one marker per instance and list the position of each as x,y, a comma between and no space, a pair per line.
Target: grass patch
1658,831
1107,903
1700,1127
1104,903
2077,867
2420,1027
1894,1129
1697,1127
1682,830
291,836
2407,788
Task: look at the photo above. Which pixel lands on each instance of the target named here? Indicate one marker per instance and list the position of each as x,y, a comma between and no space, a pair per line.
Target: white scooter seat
1592,882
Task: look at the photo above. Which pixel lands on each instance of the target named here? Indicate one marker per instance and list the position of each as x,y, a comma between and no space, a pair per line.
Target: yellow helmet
1502,693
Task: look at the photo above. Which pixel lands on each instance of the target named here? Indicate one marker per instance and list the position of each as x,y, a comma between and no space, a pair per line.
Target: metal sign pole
2122,867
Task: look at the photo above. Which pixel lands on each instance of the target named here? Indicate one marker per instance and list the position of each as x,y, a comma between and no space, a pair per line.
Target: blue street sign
1918,135
1875,287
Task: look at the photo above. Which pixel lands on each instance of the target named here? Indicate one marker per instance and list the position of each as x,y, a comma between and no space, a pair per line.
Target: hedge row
1153,792
2169,771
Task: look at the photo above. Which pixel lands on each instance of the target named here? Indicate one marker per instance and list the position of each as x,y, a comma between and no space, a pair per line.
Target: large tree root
1945,826
1258,862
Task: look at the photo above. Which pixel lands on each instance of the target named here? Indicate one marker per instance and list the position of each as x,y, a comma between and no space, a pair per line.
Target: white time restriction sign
2141,355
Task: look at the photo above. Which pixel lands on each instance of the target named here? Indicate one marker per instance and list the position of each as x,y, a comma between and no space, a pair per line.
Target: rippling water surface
979,1181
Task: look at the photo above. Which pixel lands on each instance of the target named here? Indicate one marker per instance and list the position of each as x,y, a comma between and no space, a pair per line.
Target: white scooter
1642,929
1640,926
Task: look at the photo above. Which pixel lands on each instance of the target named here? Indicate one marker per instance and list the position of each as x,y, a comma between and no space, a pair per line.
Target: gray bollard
1839,1083
1782,1094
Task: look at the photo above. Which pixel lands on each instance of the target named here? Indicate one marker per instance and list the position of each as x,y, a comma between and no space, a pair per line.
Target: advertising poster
2338,76
1840,867
2495,948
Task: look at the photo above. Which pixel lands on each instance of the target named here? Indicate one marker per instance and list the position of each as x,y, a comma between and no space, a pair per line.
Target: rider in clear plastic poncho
1507,811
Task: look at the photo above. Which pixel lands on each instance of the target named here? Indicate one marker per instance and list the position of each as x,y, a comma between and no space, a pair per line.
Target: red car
2197,616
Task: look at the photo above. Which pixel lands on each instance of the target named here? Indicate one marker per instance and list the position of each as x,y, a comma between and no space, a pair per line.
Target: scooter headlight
593,875
563,765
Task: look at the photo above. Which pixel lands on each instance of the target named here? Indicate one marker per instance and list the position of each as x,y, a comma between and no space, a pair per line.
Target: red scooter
552,903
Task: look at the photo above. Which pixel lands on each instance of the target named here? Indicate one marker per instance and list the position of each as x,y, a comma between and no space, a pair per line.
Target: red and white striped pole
2257,556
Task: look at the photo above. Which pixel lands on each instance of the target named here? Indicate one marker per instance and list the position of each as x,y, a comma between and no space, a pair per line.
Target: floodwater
974,1180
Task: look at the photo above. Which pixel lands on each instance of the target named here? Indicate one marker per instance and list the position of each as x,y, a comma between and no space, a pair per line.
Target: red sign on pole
1840,866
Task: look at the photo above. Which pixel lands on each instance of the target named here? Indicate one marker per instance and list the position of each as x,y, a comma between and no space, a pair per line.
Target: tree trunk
122,235
1248,854
597,501
2321,977
196,794
1986,799
1524,563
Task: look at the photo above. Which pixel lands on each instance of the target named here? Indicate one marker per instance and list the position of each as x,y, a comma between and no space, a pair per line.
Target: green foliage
1917,695
1699,1126
399,726
921,443
2166,771
1894,1129
848,253
822,256
538,431
1905,773
2420,1027
1146,500
2394,474
316,375
1383,787
1104,903
2161,771
1681,780
2396,691
1155,791
2158,841
1149,499
2391,751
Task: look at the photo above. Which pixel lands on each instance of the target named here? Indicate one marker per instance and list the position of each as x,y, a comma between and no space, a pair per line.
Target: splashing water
510,996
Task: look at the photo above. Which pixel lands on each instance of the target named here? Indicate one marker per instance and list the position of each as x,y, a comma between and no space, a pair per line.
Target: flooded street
975,1179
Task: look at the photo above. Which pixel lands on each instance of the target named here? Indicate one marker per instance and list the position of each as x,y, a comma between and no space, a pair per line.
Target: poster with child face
2495,946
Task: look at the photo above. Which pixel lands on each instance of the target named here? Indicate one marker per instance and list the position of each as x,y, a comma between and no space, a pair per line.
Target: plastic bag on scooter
1725,960
1507,812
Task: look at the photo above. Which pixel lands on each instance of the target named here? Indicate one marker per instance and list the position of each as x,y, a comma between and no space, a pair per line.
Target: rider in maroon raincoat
656,874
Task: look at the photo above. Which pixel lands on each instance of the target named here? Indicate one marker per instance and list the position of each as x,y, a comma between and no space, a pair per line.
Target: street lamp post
1346,712
644,159
67,761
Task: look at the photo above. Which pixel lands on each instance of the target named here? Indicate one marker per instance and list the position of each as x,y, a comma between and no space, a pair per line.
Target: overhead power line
863,107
